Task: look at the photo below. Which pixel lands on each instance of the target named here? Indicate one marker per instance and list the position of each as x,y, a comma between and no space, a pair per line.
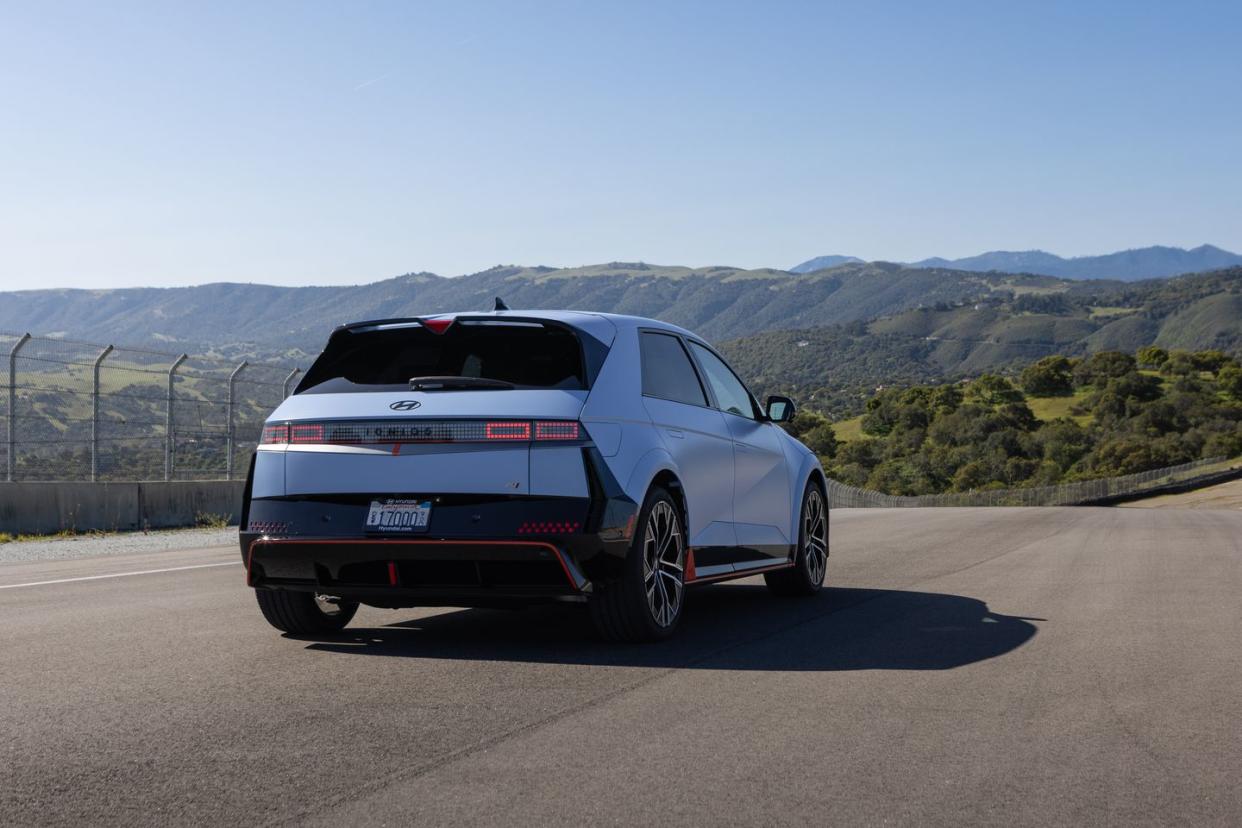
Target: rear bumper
389,572
477,551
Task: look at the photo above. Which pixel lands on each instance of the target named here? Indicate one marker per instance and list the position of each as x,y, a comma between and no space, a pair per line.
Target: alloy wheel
815,537
664,553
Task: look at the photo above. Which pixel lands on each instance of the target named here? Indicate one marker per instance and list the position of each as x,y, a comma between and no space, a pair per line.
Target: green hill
834,367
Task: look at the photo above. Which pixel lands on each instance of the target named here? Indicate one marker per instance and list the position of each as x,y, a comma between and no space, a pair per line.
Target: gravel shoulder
119,543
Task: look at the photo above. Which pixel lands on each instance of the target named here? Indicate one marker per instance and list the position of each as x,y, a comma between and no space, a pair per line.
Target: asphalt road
977,666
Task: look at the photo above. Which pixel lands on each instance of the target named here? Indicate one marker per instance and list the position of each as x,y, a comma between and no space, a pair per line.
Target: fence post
11,459
289,380
95,412
168,419
228,462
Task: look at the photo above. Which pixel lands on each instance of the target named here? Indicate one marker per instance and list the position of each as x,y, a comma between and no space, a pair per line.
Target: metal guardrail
87,411
1067,494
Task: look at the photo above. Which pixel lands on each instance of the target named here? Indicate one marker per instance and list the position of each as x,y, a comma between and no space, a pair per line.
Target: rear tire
646,602
304,613
806,576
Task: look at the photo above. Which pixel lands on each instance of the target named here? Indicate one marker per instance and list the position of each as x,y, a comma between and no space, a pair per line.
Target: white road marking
119,575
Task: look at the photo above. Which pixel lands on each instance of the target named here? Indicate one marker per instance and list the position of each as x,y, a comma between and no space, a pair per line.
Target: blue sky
339,143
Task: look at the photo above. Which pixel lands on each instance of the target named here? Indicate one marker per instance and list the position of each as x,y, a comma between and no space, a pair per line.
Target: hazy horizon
296,144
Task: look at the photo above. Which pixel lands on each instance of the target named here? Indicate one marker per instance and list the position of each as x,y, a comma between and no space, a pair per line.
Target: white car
506,457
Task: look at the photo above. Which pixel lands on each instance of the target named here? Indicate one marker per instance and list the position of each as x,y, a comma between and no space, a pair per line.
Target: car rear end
439,461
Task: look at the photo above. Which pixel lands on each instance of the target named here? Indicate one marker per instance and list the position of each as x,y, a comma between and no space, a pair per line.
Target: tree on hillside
1063,442
1210,360
1179,364
1097,369
815,431
1152,356
946,398
1129,455
1049,377
1229,380
991,390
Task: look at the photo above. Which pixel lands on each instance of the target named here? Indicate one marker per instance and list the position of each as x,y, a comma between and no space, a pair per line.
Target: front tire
304,613
645,603
806,577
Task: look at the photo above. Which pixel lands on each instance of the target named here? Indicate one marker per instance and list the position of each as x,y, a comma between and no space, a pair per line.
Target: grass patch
210,520
1050,408
849,430
1100,311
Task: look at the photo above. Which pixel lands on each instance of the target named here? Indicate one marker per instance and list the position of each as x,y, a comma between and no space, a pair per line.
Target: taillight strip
397,432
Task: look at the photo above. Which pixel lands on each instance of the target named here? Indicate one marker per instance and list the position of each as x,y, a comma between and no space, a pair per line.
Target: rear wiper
459,383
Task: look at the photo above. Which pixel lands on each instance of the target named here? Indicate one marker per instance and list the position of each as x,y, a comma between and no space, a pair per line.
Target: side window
730,393
667,370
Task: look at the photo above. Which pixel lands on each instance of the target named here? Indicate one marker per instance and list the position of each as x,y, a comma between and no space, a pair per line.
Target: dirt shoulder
1221,496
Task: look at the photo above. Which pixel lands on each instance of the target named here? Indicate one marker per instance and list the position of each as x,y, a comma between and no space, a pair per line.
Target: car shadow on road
730,626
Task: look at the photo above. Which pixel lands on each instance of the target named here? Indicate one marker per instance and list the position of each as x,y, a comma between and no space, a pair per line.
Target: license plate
398,516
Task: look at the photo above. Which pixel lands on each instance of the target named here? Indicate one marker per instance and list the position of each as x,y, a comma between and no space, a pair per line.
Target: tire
806,576
646,602
303,613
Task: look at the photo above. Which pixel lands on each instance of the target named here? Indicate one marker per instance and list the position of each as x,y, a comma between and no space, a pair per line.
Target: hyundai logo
405,405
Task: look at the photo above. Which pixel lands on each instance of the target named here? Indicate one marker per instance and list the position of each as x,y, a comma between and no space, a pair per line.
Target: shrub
1097,369
1152,356
1049,377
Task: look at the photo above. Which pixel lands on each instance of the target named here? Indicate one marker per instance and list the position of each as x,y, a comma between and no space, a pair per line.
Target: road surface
968,666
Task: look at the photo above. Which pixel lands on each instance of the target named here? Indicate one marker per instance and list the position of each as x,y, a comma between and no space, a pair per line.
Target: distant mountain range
718,302
823,262
1126,265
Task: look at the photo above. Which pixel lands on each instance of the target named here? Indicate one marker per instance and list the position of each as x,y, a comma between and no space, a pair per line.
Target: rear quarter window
667,371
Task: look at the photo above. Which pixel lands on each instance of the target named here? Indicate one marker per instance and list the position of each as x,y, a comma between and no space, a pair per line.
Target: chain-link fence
86,411
1066,494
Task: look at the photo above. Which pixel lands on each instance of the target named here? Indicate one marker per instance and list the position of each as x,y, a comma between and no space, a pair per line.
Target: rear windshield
528,355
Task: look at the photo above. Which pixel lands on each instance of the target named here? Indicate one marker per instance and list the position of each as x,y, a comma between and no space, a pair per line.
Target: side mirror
780,409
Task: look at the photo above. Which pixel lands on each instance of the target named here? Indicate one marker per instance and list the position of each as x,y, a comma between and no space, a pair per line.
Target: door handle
740,446
678,433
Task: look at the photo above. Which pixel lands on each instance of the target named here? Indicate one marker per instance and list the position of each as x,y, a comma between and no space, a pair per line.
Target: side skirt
699,572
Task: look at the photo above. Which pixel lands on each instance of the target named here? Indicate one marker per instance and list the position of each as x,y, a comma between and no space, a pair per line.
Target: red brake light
556,430
275,435
437,326
306,433
507,431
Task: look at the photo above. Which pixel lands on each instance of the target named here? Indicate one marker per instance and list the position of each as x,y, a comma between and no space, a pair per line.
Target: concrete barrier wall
47,508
